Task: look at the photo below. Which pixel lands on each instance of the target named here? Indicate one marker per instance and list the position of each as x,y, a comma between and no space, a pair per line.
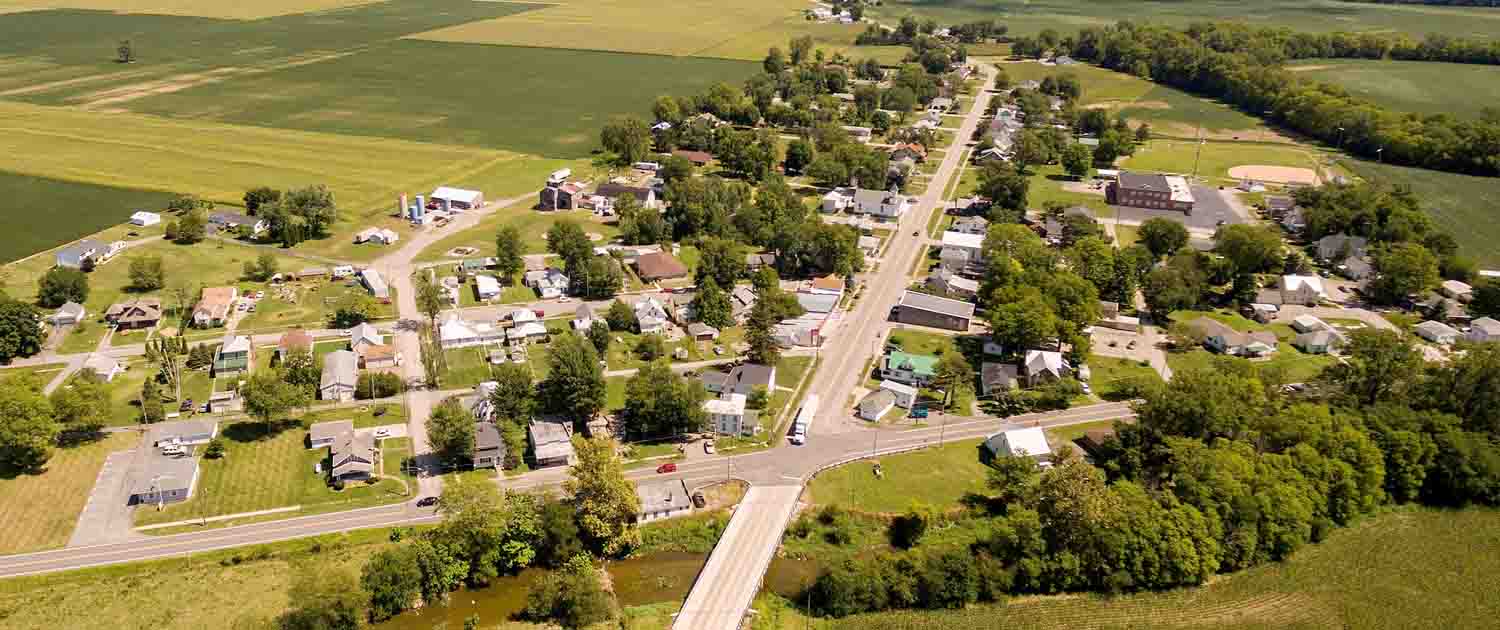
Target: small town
841,314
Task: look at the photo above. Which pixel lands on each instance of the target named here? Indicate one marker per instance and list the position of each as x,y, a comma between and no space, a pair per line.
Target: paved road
756,528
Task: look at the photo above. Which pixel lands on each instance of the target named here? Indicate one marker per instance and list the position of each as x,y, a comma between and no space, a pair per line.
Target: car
698,500
382,432
427,501
260,295
1087,389
251,309
564,300
666,468
708,447
916,232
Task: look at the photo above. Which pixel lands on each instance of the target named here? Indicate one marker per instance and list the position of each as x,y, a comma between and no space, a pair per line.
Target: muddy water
657,578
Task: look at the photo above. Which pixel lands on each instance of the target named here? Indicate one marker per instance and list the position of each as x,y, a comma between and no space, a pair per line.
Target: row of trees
1328,113
1274,45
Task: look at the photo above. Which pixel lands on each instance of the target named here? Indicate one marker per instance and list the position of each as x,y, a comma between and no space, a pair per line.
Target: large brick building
1159,192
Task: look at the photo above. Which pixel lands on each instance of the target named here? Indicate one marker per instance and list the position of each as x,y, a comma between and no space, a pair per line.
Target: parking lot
106,517
1209,208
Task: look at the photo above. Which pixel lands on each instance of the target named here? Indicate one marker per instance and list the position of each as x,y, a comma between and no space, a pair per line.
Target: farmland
752,45
1411,86
50,211
1031,16
230,10
1468,207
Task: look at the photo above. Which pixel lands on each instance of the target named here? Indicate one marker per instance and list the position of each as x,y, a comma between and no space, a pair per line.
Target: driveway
1372,319
396,430
106,517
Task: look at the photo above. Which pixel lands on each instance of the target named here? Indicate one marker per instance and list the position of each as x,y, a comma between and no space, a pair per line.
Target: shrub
215,449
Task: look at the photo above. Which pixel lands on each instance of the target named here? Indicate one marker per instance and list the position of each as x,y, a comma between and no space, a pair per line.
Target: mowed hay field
683,28
38,511
37,213
1424,87
1025,17
1468,207
232,9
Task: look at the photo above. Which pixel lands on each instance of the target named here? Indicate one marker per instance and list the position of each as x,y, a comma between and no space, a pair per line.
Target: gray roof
747,376
877,400
713,378
669,495
71,308
352,452
1488,325
231,218
935,304
699,328
487,437
164,473
1436,328
325,431
818,302
994,376
340,368
181,429
1279,203
1318,338
1333,244
77,250
1141,181
550,440
865,196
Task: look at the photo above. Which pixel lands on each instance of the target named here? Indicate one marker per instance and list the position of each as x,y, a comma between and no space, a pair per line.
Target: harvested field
1276,174
228,9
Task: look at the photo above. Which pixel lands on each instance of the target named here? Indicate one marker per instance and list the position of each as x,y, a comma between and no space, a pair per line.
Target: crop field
40,212
38,511
832,38
256,10
1412,86
1031,16
637,26
1468,207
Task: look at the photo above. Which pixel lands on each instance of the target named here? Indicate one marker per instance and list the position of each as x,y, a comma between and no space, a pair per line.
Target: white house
550,283
375,283
340,376
1306,290
1457,290
486,287
145,219
103,366
1028,442
905,394
1309,323
68,314
1437,332
880,203
455,332
727,415
663,500
837,200
961,246
650,316
1484,330
876,404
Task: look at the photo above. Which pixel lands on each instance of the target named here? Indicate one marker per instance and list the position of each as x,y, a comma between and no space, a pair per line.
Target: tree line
1247,74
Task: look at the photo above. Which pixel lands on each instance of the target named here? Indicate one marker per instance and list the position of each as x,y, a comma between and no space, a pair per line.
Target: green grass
226,10
832,38
1466,206
38,511
261,472
937,477
532,224
1060,436
1410,86
1407,569
363,416
1216,158
1296,367
1108,374
1126,235
468,367
89,208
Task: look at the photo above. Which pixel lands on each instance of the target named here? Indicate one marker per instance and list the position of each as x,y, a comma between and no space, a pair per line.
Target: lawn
1126,235
1216,158
1410,86
38,511
89,208
309,304
937,477
228,10
622,355
1466,206
532,224
362,416
632,26
1406,569
468,367
1060,436
260,471
1107,375
1295,366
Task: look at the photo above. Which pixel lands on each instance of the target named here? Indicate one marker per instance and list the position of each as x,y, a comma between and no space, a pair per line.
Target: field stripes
238,10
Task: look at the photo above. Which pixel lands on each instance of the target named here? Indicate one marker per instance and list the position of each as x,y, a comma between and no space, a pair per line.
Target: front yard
38,511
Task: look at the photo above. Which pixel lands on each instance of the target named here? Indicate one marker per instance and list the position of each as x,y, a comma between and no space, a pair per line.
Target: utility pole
1197,159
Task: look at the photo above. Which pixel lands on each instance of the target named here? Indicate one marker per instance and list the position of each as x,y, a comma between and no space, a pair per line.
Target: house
1093,441
563,196
837,200
876,404
363,336
380,357
880,203
745,378
912,369
233,355
340,376
1161,192
908,151
991,154
1219,337
713,381
920,309
1436,332
524,328
549,283
235,220
1262,313
859,134
1279,205
962,251
651,316
160,479
486,288
451,199
818,302
742,299
1484,330
975,225
700,331
1028,442
1041,367
141,218
375,284
827,285
1293,221
906,395
756,262
135,314
378,236
610,190
1309,323
1318,341
68,314
698,158
323,434
105,368
1110,317
294,340
1294,289
1457,290
353,455
214,306
995,378
551,443
727,415
489,448
662,500
455,332
87,251
586,314
941,105
183,433
946,282
1338,247
659,266
342,271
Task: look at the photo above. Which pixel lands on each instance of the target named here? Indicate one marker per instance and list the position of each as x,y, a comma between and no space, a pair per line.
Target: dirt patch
1276,174
1133,104
1308,68
190,80
595,236
64,83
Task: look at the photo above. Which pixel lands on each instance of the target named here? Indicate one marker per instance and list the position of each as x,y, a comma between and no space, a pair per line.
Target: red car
666,468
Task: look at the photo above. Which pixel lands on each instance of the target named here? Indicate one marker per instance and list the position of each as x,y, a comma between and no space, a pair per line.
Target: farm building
375,283
448,198
141,218
379,236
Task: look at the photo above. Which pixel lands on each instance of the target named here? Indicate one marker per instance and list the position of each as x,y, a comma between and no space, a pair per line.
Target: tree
1029,149
650,347
61,285
1004,185
774,62
267,396
300,367
1249,248
674,168
712,305
1168,289
81,407
28,428
1379,366
954,375
900,100
355,308
801,48
146,273
508,250
20,329
573,596
450,428
429,297
375,385
189,228
393,581
604,500
721,260
151,407
323,599
1486,301
659,402
638,224
620,317
1405,269
599,336
1162,236
575,382
799,154
571,244
255,198
1077,160
260,270
1021,318
600,278
629,138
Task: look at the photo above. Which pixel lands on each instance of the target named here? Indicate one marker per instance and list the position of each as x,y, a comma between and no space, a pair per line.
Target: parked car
698,500
382,432
666,468
708,447
427,501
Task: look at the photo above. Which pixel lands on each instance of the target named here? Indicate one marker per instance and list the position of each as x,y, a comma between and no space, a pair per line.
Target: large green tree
20,329
508,251
629,138
574,386
712,306
605,501
1162,236
450,429
660,402
61,285
28,427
